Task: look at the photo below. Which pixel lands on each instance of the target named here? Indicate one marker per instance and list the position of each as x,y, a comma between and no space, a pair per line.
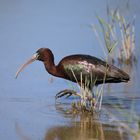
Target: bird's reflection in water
85,126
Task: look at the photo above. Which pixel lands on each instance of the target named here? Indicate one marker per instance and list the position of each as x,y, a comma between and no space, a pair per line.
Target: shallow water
27,105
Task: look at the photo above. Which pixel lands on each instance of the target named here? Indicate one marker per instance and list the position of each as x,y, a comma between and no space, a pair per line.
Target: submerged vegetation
128,126
119,37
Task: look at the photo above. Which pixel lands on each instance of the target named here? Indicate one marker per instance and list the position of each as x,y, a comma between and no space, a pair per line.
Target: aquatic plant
89,100
118,35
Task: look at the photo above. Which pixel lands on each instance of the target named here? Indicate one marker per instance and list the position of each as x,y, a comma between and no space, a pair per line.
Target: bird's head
43,54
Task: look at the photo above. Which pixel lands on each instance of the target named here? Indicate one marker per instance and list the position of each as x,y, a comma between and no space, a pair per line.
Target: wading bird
86,70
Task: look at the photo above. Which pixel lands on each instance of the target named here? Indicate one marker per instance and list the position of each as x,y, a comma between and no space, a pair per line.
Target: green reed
90,100
118,37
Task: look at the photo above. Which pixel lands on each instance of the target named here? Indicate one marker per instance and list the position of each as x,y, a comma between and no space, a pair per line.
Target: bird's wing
79,68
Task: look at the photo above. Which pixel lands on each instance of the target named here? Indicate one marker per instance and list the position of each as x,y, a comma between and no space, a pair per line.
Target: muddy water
28,110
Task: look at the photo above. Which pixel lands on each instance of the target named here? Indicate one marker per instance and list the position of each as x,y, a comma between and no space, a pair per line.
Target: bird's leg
67,92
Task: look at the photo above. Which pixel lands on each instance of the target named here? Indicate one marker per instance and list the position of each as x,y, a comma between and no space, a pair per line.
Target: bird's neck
52,69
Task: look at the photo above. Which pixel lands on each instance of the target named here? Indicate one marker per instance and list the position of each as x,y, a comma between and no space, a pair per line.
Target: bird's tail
119,75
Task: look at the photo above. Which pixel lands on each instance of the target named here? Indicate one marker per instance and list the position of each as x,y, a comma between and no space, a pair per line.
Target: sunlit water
27,105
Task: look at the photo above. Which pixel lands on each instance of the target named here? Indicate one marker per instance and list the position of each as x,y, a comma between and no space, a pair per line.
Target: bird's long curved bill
32,59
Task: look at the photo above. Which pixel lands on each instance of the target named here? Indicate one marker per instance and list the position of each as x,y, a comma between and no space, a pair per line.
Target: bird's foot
86,102
66,92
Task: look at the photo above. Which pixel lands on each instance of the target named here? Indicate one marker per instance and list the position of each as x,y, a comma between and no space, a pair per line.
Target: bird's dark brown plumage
81,68
91,68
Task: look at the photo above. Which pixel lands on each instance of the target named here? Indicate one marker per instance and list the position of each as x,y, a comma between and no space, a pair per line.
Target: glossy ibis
85,70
